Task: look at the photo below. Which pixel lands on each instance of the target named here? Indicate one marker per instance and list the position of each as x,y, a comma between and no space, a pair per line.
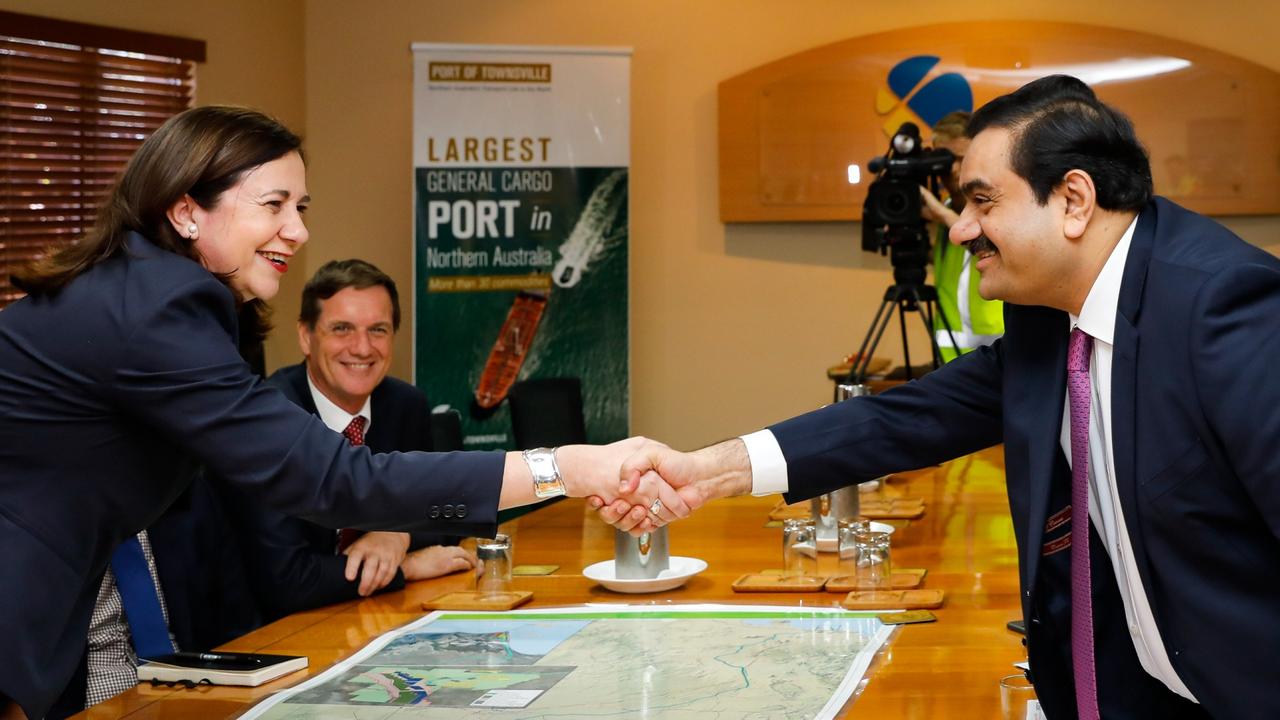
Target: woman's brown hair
200,152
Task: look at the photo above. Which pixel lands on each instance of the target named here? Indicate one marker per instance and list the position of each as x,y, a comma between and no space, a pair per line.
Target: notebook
219,668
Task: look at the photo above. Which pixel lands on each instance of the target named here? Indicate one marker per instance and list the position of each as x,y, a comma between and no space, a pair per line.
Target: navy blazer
1195,419
292,562
110,390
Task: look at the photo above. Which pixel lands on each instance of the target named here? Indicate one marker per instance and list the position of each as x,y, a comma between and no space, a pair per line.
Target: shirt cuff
768,466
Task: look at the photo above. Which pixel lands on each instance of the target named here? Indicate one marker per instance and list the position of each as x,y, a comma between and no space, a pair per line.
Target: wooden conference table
946,669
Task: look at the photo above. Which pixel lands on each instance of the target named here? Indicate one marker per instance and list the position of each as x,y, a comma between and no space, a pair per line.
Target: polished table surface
947,669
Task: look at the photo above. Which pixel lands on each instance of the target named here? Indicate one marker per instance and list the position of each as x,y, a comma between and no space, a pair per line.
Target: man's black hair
337,275
1058,124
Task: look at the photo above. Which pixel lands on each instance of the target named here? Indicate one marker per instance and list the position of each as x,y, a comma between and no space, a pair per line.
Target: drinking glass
864,554
799,548
1018,698
493,574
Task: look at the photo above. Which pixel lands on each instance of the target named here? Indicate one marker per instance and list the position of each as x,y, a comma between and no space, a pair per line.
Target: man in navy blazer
350,313
1183,499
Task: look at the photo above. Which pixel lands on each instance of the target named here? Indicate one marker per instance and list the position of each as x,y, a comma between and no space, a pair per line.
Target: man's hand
437,560
632,513
592,472
721,470
381,554
932,209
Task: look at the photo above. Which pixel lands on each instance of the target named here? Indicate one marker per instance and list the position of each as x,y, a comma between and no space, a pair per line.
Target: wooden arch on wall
790,130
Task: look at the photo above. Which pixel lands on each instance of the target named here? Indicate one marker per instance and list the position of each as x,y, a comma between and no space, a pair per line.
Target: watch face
546,476
548,488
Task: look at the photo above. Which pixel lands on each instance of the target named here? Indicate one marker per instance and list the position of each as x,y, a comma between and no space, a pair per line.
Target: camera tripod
918,298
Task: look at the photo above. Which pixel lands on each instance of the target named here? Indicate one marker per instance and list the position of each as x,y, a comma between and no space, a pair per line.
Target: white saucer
833,544
678,572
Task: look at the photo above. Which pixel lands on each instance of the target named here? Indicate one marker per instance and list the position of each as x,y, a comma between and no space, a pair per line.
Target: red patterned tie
1082,658
355,430
354,433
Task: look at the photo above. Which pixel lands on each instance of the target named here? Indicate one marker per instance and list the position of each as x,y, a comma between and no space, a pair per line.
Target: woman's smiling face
255,227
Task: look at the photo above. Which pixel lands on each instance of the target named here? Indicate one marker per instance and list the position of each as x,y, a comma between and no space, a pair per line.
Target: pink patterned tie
1081,597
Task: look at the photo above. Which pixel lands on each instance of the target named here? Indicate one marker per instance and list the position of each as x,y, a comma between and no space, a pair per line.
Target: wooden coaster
881,508
472,600
769,582
901,579
795,511
893,599
534,569
871,508
841,371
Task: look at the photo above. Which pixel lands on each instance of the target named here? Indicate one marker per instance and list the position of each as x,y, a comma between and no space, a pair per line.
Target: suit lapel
1044,370
298,380
381,435
1124,381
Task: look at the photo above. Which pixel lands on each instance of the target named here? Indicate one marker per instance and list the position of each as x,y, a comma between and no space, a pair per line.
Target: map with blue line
705,661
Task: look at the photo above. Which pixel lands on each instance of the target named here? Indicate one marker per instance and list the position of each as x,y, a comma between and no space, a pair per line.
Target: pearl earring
192,231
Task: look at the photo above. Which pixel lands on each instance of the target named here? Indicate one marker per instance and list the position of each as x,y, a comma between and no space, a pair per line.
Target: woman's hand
594,474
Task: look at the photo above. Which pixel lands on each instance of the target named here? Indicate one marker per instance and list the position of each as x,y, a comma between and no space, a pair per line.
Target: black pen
230,657
213,657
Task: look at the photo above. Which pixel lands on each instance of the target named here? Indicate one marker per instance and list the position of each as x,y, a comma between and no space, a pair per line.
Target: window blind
76,101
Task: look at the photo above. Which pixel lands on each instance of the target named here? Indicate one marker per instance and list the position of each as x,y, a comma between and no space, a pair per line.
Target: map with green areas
428,686
704,661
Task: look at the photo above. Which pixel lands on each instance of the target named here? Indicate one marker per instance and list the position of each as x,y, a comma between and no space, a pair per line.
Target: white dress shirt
334,417
1098,319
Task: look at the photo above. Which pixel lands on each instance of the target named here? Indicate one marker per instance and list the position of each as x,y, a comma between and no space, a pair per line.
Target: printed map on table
706,661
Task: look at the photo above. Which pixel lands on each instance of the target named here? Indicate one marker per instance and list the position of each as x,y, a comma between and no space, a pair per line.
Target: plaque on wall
796,134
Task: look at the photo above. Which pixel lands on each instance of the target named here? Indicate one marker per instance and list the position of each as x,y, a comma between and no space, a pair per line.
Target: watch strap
547,481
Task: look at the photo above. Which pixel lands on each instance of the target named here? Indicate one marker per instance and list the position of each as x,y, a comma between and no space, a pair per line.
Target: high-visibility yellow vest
974,322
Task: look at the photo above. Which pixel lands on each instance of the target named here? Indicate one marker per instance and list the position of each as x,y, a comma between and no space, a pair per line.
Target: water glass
1018,698
799,548
864,554
493,574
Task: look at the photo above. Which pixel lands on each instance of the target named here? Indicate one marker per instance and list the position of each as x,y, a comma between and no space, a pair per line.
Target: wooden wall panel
789,130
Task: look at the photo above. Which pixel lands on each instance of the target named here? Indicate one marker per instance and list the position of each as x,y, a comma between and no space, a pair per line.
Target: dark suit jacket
200,564
1195,422
292,562
109,390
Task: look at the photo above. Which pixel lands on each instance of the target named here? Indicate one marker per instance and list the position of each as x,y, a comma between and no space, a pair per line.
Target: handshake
638,485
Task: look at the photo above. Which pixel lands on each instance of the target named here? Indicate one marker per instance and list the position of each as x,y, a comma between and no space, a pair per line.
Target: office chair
547,412
446,430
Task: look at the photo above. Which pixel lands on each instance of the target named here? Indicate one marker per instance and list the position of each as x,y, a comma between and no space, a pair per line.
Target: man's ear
304,339
1081,201
181,215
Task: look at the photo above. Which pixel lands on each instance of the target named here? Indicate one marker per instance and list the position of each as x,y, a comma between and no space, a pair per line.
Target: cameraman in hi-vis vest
974,322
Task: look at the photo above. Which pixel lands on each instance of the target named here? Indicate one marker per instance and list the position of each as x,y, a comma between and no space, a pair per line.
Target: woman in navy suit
119,374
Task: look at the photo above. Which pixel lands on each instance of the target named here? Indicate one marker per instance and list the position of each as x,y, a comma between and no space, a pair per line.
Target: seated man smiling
349,317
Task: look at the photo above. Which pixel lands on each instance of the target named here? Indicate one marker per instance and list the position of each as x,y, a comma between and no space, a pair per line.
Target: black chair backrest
547,412
446,430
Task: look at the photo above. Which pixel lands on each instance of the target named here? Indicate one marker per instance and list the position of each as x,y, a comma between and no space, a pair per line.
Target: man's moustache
980,246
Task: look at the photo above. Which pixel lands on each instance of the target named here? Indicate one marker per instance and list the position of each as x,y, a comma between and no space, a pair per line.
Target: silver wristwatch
546,473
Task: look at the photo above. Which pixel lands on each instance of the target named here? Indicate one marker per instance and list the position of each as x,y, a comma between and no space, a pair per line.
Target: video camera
891,220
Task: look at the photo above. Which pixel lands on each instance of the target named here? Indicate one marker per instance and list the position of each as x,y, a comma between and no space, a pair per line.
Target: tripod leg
927,306
869,343
903,304
946,326
928,309
862,349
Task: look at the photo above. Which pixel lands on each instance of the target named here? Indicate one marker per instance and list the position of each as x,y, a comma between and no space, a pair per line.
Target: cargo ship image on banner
510,349
584,243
